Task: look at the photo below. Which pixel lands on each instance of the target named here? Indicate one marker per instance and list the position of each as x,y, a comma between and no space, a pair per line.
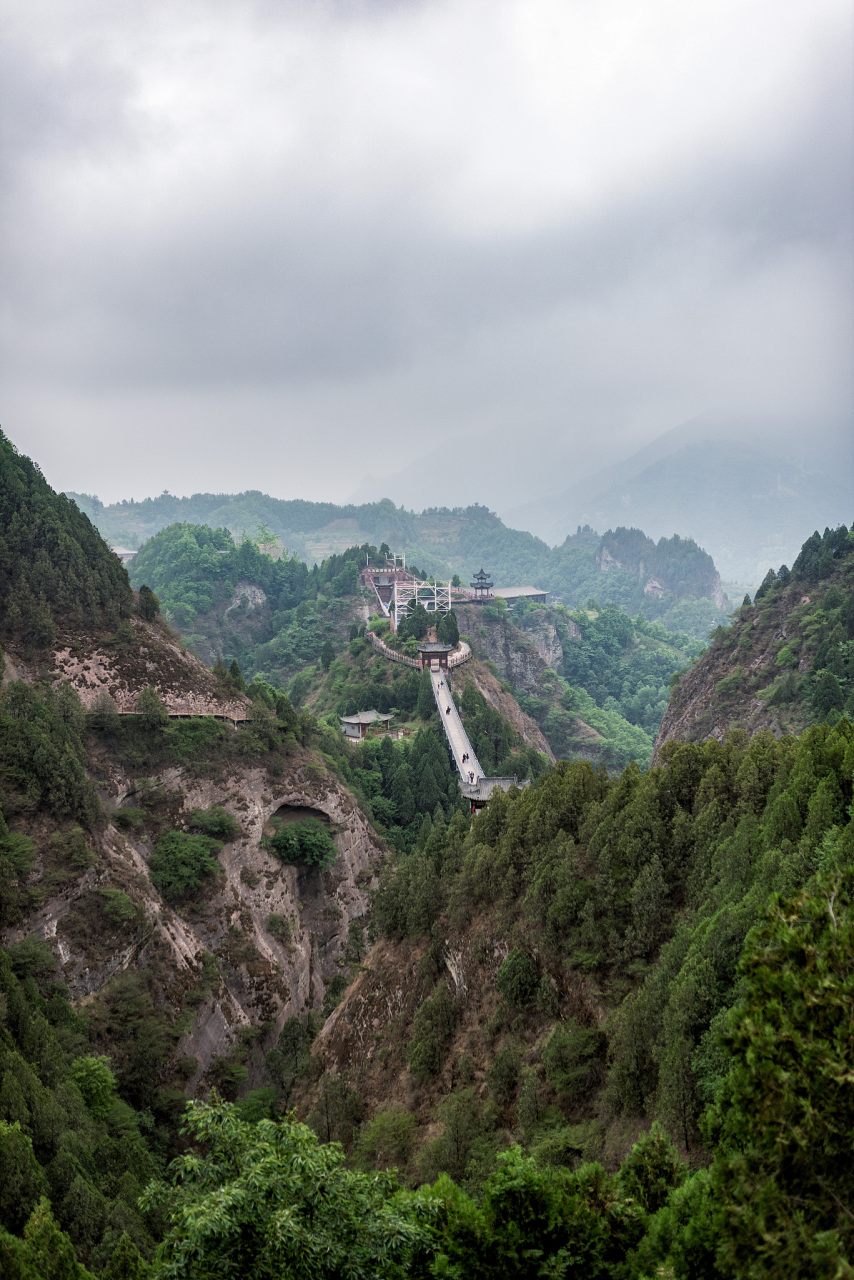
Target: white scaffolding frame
434,596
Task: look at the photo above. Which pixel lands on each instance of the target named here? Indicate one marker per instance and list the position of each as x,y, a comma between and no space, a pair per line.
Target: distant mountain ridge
673,580
749,497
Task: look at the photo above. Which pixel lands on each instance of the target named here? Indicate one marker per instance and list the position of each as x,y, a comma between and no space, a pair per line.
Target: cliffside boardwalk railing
173,714
462,654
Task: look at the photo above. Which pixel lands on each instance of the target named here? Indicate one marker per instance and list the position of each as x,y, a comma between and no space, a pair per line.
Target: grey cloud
724,276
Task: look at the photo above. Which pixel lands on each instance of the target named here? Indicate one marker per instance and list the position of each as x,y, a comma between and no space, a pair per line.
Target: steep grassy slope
786,661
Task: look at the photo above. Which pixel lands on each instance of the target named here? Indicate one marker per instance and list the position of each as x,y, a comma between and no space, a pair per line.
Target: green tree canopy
181,862
786,1112
149,605
307,842
268,1200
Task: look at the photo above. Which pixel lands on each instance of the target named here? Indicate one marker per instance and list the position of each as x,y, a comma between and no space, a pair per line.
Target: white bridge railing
392,654
455,659
460,655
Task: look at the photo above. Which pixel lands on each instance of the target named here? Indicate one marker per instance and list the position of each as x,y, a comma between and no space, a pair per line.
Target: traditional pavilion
434,654
482,586
481,791
357,726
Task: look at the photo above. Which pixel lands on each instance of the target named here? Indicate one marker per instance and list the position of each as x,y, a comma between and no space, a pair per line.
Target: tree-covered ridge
648,885
193,568
55,569
787,659
201,576
444,541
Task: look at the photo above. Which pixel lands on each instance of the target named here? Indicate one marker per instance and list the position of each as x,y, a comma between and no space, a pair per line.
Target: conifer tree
149,605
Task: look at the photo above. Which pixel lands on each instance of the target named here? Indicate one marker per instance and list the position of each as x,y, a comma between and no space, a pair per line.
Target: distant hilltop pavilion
482,585
484,589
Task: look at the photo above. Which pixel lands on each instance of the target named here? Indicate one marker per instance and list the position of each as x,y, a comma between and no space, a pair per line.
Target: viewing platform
455,657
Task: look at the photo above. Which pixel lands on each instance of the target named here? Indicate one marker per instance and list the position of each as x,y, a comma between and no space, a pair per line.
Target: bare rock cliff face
520,657
258,978
124,663
476,673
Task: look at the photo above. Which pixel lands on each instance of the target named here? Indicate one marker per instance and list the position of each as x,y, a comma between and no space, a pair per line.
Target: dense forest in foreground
602,1030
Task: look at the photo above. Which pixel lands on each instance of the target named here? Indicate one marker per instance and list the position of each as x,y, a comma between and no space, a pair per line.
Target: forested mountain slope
786,661
591,954
519,996
672,579
54,567
184,882
235,601
595,680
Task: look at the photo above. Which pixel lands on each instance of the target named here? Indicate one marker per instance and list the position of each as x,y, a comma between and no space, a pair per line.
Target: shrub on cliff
306,842
215,822
181,862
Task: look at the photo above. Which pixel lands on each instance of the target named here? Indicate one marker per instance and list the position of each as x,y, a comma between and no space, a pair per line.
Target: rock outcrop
125,662
262,977
520,657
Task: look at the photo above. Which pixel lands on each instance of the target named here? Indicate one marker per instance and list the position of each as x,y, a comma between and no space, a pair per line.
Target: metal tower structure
434,596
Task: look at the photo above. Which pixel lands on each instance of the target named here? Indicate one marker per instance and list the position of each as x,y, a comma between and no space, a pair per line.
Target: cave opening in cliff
298,813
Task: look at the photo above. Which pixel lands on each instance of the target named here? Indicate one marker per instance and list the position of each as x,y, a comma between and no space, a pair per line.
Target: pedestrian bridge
458,740
474,785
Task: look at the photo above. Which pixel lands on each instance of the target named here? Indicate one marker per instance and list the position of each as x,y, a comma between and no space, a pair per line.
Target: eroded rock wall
261,979
126,662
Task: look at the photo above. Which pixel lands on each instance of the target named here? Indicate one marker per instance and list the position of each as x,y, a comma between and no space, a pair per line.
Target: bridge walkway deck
455,733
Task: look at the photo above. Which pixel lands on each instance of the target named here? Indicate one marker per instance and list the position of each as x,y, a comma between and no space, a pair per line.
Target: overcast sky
290,245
